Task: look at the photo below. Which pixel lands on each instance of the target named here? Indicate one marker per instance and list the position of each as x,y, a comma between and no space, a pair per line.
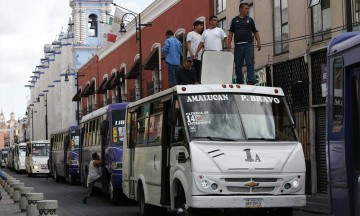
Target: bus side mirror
172,116
104,127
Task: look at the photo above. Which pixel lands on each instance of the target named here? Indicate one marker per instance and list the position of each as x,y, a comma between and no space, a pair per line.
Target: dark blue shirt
243,29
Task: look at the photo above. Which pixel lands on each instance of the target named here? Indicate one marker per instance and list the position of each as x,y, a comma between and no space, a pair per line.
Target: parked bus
102,131
3,157
213,146
10,159
19,157
64,154
343,124
37,155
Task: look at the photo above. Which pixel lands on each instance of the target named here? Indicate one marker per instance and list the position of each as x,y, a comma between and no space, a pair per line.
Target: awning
134,72
89,90
76,96
108,83
102,89
152,61
118,79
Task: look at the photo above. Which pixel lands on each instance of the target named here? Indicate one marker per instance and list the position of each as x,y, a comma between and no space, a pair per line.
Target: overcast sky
25,26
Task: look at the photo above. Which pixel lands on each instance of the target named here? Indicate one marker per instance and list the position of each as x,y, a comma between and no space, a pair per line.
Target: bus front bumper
248,201
74,172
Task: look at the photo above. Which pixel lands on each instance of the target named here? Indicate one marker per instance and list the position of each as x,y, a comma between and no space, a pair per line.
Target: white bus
214,146
19,157
37,156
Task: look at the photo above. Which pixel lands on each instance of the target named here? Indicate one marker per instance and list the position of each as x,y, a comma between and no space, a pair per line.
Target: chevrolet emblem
251,184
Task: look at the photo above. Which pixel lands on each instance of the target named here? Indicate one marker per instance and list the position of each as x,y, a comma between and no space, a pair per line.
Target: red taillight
183,89
231,86
224,86
276,91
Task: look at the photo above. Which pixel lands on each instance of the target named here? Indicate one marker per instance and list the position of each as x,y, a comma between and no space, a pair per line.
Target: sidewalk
317,204
7,205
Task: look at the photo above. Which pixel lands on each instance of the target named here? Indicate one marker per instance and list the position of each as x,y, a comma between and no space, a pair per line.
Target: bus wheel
115,195
144,208
72,180
282,212
56,177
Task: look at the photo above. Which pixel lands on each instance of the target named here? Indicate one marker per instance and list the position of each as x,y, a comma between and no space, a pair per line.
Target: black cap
198,22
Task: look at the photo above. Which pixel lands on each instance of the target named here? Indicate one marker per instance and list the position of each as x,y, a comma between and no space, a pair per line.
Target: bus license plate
253,203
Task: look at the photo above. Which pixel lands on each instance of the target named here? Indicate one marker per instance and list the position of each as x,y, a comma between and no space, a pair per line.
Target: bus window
155,123
177,130
142,125
131,129
338,94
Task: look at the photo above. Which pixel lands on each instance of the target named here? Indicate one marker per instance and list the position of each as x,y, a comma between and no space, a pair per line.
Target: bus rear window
117,127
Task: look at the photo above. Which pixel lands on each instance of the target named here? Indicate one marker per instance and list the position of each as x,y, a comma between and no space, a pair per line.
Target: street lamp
68,73
46,119
138,38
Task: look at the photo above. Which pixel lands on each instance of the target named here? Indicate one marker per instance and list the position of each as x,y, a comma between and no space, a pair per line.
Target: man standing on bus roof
172,50
94,174
243,27
193,40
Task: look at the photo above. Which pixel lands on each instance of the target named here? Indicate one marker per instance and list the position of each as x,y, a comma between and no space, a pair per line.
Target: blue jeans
172,69
241,52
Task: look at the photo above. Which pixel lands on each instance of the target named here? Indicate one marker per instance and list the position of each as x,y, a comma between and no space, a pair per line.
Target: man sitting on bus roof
186,74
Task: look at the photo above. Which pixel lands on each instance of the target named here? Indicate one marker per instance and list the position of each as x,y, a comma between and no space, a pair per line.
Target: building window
93,25
220,6
281,27
321,21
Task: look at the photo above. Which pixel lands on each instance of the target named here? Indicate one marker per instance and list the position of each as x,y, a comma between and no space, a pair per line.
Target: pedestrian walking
243,29
186,74
172,50
193,40
213,37
94,174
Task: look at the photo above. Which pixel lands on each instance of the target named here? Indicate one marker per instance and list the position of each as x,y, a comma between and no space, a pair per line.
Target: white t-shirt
195,39
94,172
213,39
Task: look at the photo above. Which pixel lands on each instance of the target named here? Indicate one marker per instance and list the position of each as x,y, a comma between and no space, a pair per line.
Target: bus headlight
22,164
116,165
36,167
205,183
296,184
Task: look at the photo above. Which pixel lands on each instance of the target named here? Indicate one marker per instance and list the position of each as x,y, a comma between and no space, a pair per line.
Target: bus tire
282,212
143,207
56,176
115,195
72,180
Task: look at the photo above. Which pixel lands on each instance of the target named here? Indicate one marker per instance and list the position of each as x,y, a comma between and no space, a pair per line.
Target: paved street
70,200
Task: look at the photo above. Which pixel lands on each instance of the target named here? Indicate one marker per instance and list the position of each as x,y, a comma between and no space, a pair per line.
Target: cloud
25,27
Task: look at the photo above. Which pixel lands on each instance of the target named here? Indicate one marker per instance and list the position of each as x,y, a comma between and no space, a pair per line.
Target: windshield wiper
265,139
215,138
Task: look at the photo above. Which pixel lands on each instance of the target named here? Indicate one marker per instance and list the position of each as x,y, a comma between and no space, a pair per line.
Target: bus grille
265,185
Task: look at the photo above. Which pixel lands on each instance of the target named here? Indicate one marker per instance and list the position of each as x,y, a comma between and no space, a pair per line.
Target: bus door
165,169
353,137
131,143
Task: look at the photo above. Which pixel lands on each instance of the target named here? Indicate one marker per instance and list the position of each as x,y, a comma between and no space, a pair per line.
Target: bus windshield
40,149
236,117
22,151
74,142
4,154
117,127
